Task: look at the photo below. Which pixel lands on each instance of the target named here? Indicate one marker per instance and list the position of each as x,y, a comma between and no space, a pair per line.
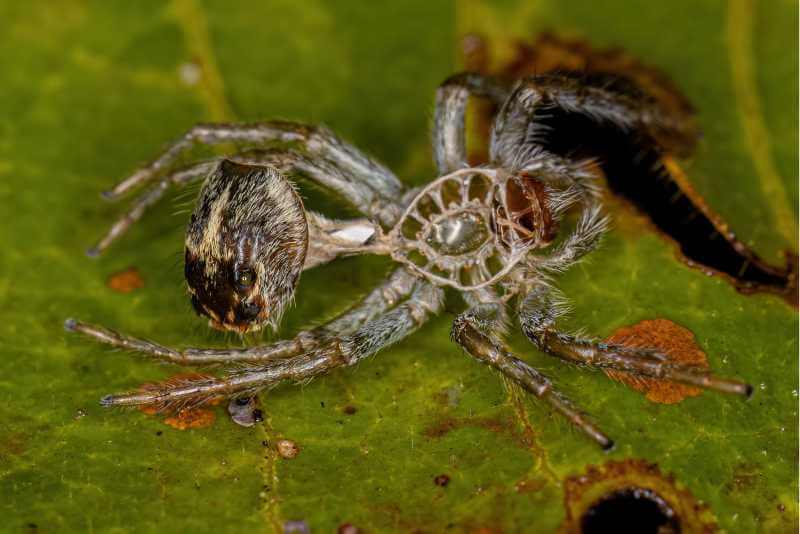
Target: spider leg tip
108,195
93,252
608,446
107,401
70,325
748,391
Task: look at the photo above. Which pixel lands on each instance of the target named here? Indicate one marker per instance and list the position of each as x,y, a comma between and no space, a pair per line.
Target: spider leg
363,181
448,126
376,202
473,330
586,237
398,286
379,203
330,353
522,121
147,199
540,309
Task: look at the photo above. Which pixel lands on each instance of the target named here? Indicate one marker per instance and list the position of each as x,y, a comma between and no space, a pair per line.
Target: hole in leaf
631,496
637,170
630,510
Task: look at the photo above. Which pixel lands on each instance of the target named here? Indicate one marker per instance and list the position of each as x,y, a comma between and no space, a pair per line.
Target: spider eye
245,278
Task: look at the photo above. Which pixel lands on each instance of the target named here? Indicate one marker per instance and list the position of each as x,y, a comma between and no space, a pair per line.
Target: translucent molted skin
470,228
460,233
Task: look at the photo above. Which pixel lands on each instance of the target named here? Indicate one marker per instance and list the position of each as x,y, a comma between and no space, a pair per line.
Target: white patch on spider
210,242
356,234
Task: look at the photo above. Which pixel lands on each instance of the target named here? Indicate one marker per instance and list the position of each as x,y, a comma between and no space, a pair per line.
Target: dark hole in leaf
635,169
630,510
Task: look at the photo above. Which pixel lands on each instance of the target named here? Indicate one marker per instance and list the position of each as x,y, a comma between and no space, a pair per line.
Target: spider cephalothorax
245,247
497,233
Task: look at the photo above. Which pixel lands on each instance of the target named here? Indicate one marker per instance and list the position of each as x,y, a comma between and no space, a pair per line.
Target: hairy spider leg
287,161
516,127
319,142
363,182
538,312
331,353
449,145
472,330
586,237
384,297
147,199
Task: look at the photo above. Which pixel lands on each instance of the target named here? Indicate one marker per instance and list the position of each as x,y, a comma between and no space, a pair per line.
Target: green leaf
91,89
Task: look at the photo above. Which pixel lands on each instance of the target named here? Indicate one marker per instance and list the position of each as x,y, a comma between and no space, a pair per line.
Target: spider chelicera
491,232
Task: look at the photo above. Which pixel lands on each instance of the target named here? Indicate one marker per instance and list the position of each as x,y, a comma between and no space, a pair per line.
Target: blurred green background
90,89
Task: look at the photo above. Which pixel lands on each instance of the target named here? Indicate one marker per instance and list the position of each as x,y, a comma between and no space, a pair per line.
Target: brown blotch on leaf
530,485
504,426
347,528
675,341
287,448
191,418
182,418
349,409
746,477
441,480
631,496
125,281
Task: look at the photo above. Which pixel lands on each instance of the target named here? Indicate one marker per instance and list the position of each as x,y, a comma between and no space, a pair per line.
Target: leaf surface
91,89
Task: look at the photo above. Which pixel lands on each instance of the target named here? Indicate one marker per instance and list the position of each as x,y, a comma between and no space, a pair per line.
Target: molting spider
490,232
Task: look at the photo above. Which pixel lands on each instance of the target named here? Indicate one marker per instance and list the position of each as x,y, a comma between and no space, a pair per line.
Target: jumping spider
490,232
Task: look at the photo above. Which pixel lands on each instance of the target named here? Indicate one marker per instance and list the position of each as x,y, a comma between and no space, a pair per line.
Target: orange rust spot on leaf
185,417
191,418
148,409
125,281
672,339
585,491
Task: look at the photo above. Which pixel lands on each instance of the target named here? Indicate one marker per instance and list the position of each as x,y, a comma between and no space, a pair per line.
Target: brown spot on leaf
347,528
182,418
125,281
287,448
349,410
148,409
444,426
13,445
441,480
745,477
191,418
530,485
633,494
672,339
